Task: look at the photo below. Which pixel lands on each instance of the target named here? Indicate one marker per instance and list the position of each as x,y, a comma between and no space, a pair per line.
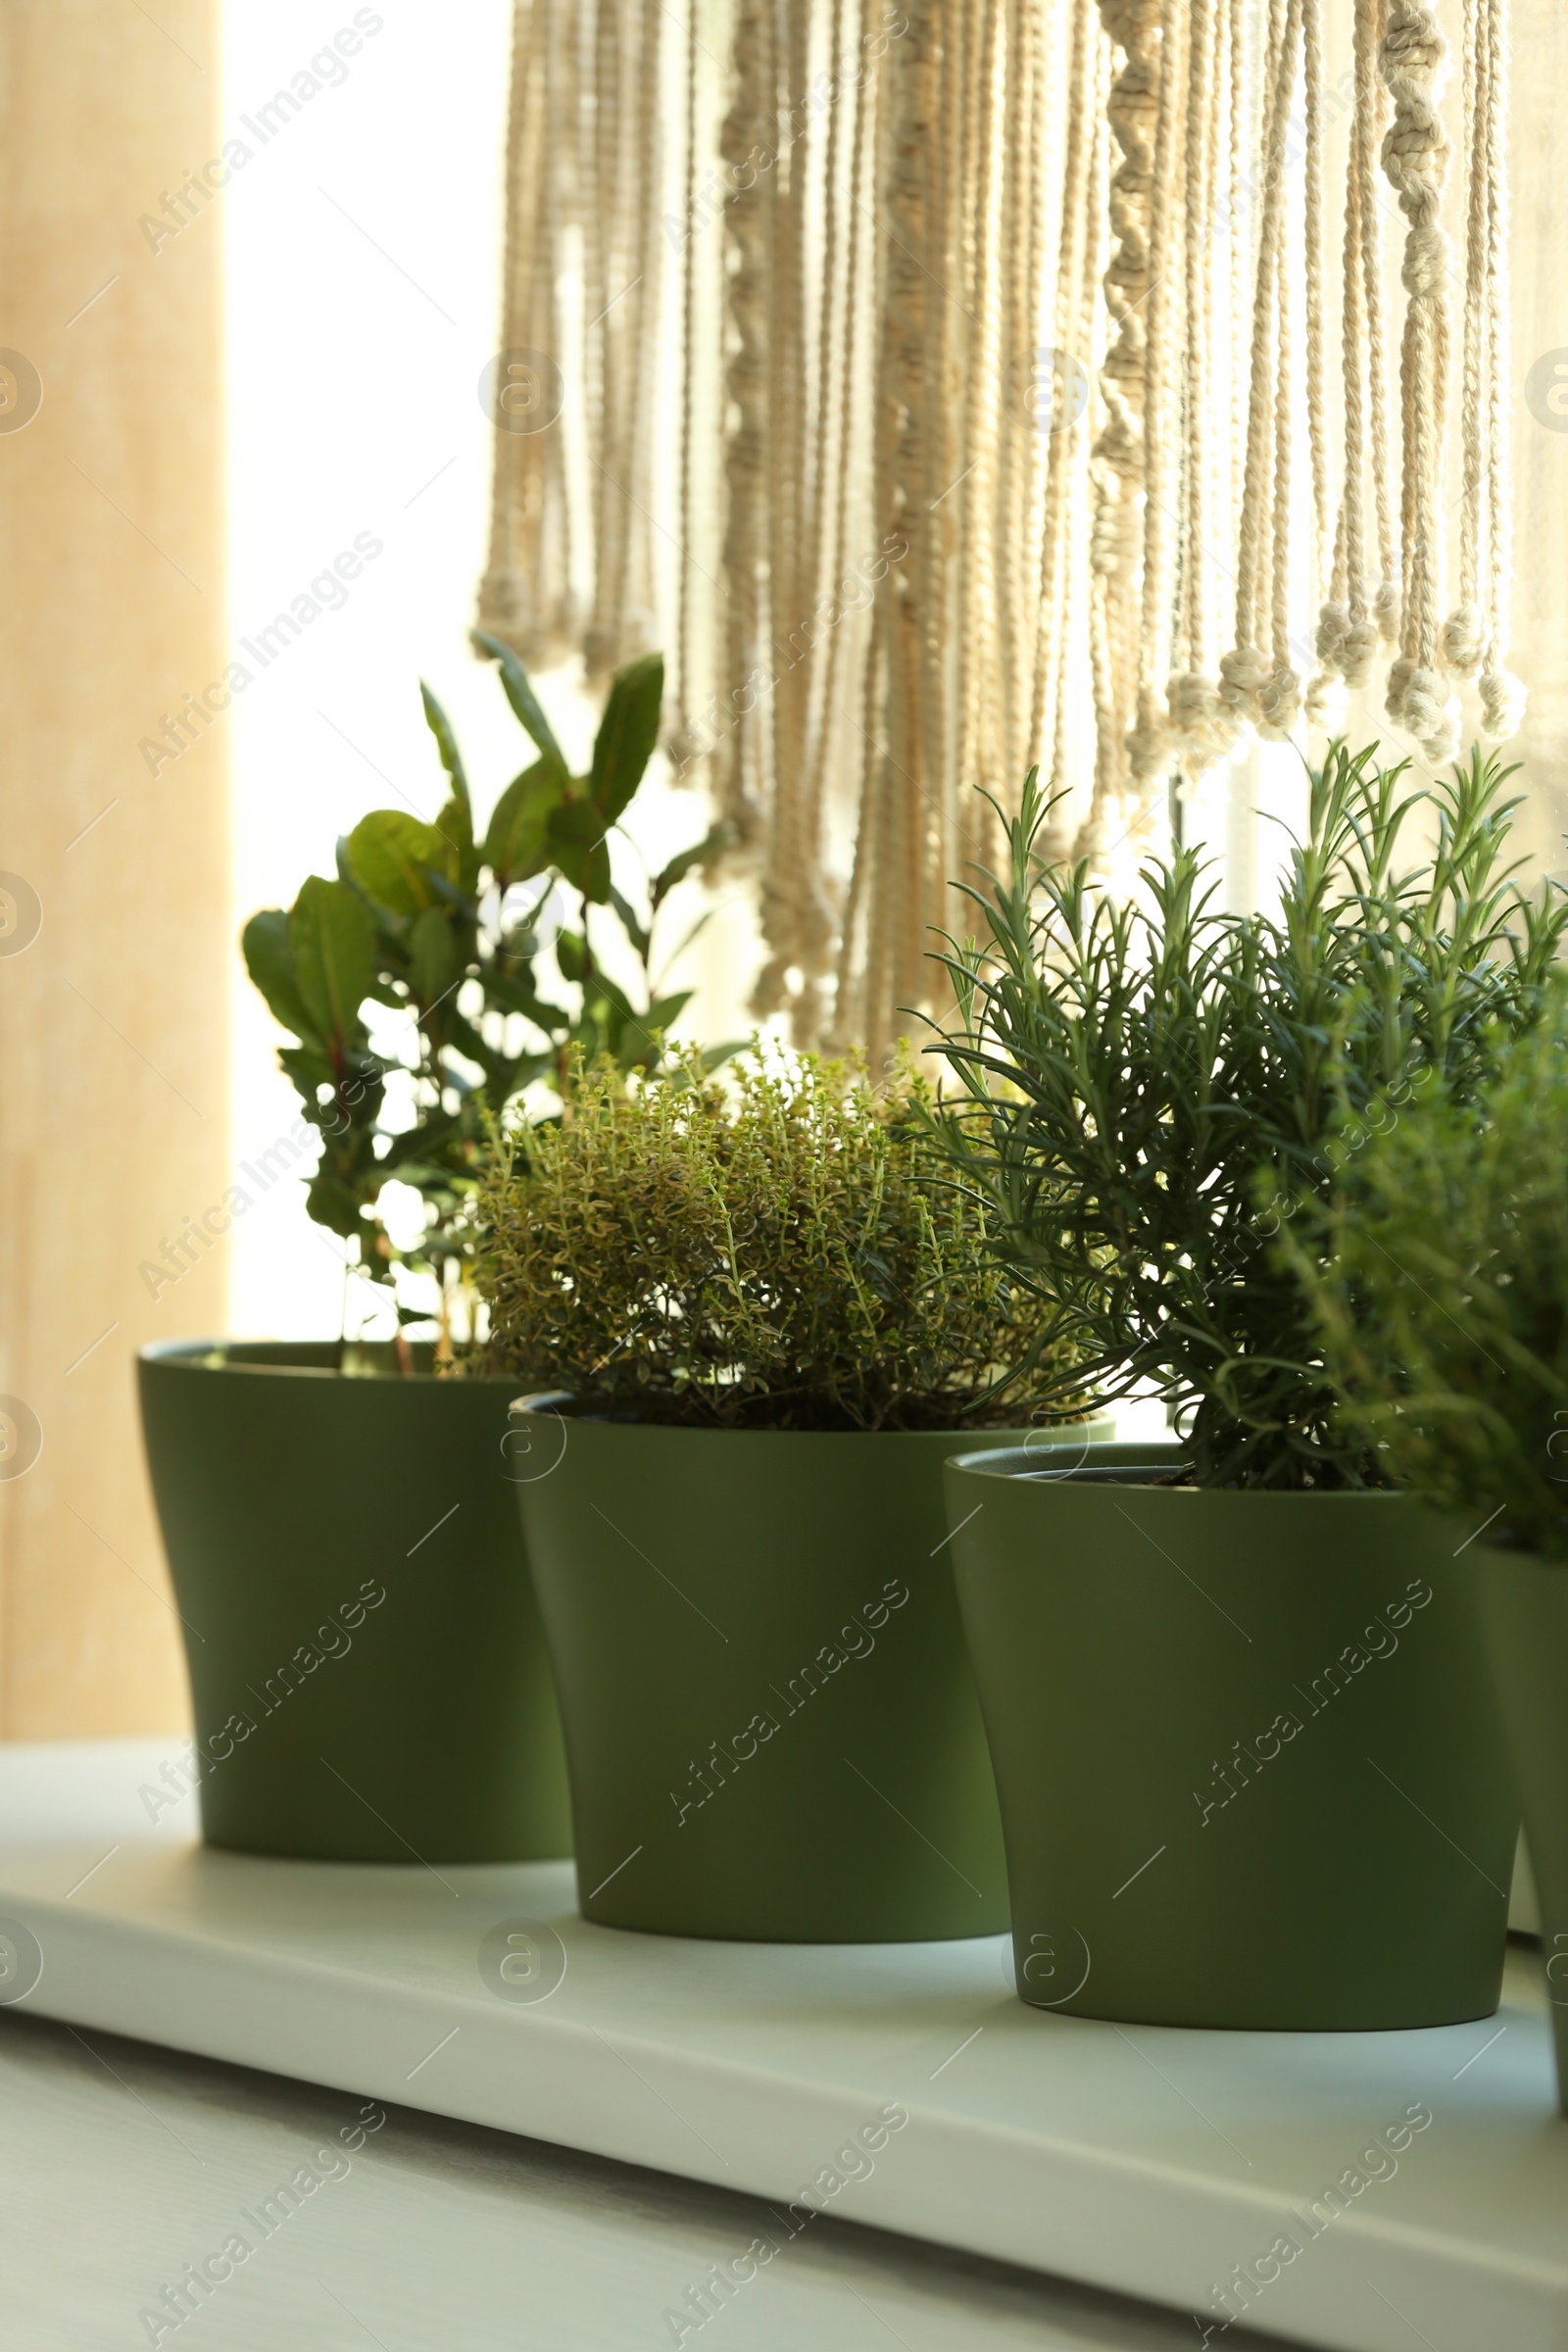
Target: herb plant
777,1248
431,921
1441,1280
1149,1084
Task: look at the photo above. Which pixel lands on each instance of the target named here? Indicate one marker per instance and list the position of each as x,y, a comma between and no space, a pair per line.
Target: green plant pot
1249,1775
418,1726
1523,1605
772,1724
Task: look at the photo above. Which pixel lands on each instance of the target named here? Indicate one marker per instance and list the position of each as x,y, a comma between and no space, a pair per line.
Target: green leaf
693,933
682,863
421,1142
572,956
440,727
606,997
388,853
627,734
426,1176
629,923
525,701
665,1011
309,1068
577,849
456,821
518,943
330,1203
638,1043
390,929
506,993
526,1068
516,845
334,942
434,957
462,1037
454,825
270,961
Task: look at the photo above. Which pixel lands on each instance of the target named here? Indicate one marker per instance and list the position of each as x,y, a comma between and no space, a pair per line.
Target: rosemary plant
1440,1275
1148,1085
776,1248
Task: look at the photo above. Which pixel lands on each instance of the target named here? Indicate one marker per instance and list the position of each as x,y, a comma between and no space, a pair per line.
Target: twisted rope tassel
1503,697
1131,108
1079,187
1203,726
1503,704
1351,622
681,740
748,128
1253,685
527,596
1149,745
1462,647
1279,697
1415,153
1324,694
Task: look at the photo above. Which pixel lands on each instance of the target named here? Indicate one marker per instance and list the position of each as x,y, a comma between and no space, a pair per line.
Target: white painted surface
121,2164
1148,2161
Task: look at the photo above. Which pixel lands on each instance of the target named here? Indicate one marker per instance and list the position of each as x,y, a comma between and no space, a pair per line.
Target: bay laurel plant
773,1247
472,939
1149,1084
1440,1275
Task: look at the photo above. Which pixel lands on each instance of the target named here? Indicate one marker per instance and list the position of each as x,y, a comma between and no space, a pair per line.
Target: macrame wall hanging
950,386
570,558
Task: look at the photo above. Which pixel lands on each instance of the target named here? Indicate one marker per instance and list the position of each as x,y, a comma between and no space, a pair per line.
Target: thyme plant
432,922
1149,1084
775,1248
1440,1277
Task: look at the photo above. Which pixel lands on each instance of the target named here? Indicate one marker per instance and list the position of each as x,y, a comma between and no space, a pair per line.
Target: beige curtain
115,921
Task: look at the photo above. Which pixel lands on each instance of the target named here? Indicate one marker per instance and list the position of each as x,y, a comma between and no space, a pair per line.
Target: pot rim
552,1402
1155,1456
195,1356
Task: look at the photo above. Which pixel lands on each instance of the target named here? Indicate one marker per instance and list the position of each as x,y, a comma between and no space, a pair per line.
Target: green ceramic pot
367,1672
1522,1604
1251,1768
772,1724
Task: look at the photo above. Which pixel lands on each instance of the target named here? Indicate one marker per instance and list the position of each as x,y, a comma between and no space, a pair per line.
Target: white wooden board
902,2085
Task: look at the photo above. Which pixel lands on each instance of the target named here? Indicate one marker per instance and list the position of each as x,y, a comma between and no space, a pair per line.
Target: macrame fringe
1001,432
